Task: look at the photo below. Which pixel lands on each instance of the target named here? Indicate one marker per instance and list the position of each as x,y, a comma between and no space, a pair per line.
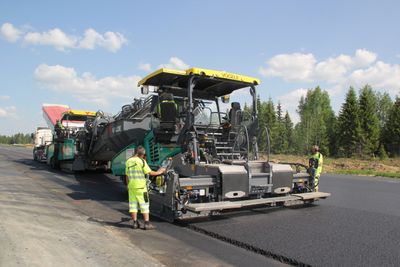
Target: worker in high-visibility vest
136,170
58,128
315,166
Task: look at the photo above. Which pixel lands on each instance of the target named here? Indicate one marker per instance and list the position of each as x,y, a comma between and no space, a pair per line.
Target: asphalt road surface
359,225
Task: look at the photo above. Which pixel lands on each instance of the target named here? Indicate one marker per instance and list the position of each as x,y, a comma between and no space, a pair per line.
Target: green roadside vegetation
367,125
19,138
365,167
362,139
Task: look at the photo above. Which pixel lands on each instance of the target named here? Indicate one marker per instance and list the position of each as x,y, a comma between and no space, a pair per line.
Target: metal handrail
268,151
268,143
247,141
202,108
145,105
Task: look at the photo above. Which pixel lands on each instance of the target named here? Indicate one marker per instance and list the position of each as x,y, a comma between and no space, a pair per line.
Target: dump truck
42,137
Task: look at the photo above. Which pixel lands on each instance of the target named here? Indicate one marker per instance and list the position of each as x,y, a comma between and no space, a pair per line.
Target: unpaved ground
50,218
39,229
338,165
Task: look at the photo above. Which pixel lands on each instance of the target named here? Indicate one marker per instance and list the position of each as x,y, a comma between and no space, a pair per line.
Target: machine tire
53,163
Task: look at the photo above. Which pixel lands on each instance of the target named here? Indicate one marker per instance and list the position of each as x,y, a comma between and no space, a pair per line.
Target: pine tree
279,115
384,104
348,126
391,132
270,121
288,144
370,127
279,145
270,114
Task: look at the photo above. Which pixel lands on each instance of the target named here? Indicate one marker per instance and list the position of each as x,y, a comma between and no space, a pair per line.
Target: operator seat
235,114
167,113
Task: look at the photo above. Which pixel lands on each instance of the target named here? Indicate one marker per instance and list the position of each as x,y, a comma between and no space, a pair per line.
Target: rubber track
266,253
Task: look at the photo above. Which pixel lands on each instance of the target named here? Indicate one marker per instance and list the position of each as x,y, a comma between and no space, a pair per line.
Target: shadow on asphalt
123,223
95,186
237,213
34,165
89,185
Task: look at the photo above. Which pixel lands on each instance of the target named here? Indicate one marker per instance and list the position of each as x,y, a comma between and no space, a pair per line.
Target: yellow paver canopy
208,82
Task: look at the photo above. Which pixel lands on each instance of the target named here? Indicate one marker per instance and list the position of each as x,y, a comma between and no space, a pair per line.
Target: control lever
166,164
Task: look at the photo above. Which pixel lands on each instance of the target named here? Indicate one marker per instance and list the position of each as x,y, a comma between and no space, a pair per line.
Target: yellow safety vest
319,159
136,170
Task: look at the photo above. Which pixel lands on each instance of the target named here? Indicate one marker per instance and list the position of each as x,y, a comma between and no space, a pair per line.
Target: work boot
148,226
136,225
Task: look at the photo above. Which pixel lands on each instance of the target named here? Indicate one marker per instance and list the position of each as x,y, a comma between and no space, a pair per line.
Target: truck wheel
53,163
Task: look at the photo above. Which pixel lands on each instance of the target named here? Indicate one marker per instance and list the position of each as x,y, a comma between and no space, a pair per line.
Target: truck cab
42,137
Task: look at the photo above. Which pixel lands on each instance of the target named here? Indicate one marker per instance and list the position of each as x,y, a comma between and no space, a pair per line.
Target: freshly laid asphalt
359,225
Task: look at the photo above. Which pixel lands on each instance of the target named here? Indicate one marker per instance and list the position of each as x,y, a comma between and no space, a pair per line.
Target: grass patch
367,173
388,174
352,166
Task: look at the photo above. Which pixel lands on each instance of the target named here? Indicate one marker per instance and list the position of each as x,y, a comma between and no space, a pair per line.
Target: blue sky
90,54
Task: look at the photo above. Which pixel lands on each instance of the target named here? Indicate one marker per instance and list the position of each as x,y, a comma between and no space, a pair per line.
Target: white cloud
10,33
86,87
292,96
54,37
337,72
175,63
111,41
290,67
290,100
381,75
332,69
364,58
8,112
5,97
299,67
145,66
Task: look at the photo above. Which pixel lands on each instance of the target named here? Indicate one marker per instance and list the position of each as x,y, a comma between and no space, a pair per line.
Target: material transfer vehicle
67,150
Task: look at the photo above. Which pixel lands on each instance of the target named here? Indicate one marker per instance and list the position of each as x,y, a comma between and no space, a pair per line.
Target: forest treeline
18,138
368,125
